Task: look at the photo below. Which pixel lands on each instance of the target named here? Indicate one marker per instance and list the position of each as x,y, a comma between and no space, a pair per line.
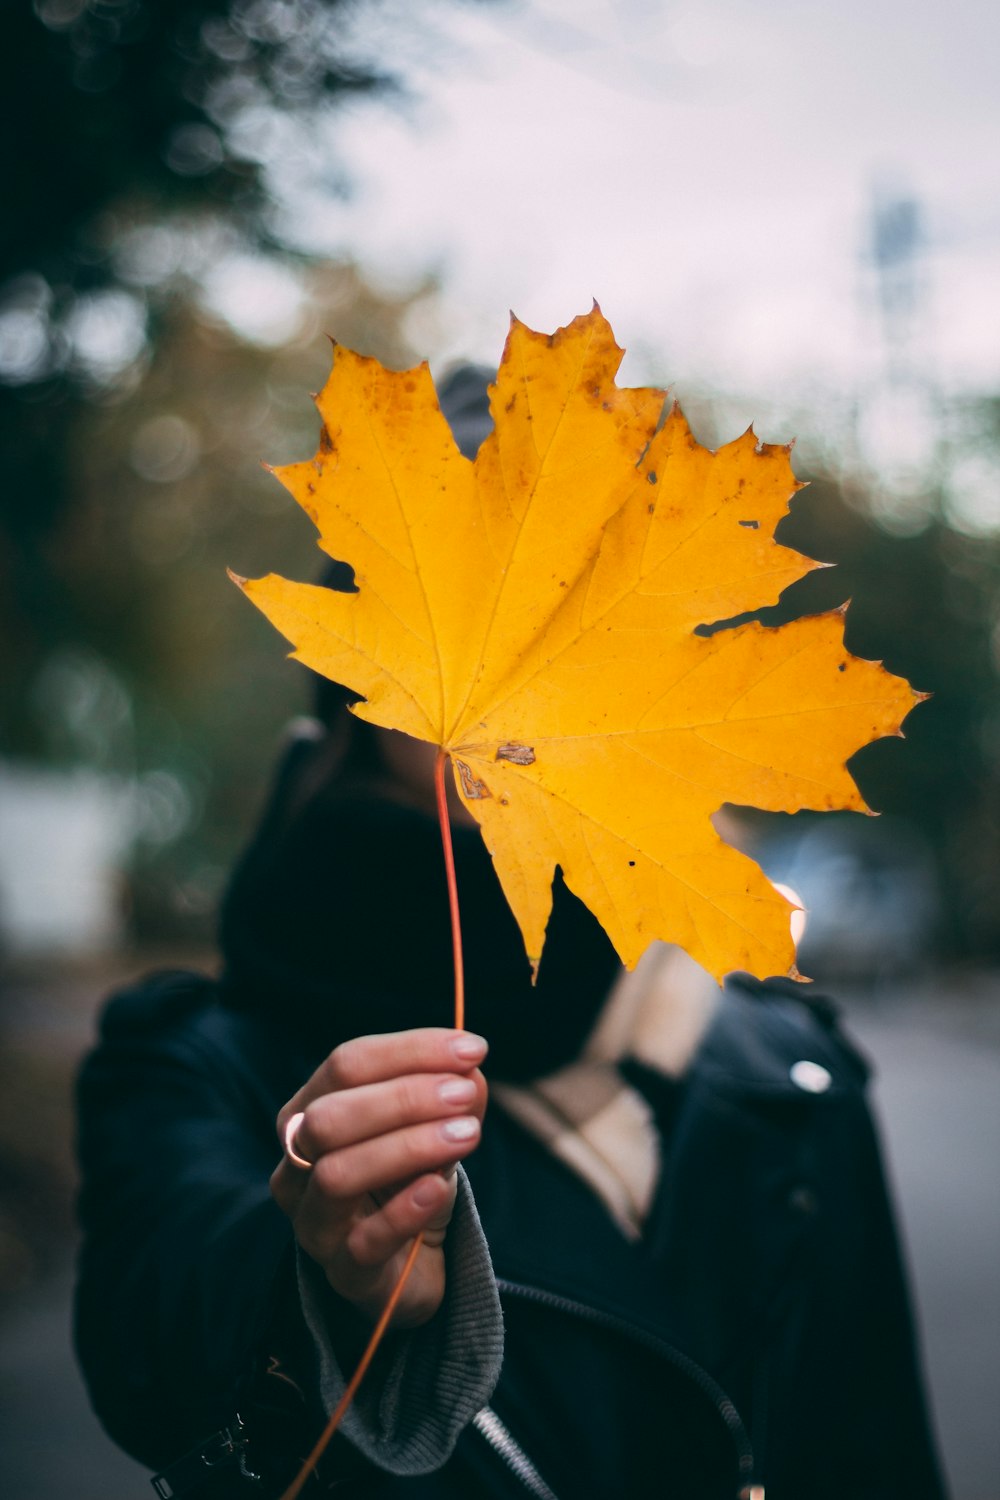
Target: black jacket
759,1333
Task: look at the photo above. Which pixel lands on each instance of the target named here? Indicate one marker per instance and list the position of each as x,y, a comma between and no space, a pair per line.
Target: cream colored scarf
588,1115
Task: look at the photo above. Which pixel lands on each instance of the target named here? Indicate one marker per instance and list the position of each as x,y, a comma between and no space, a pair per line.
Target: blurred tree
156,336
118,113
920,569
928,605
144,98
169,490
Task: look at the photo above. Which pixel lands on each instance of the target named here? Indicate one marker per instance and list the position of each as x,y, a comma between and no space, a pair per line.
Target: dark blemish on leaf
751,525
606,405
651,507
520,755
651,477
311,487
631,864
504,802
325,441
741,485
510,403
472,787
842,667
563,584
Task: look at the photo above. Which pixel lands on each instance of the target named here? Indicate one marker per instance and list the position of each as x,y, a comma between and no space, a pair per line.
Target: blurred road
937,1055
937,1050
49,1438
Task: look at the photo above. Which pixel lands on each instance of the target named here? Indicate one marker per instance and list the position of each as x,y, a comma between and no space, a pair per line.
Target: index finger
387,1055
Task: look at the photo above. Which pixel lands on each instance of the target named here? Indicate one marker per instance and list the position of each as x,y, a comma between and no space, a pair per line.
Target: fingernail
426,1194
457,1091
464,1129
469,1047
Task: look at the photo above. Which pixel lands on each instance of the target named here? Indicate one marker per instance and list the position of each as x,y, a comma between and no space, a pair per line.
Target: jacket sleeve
192,1302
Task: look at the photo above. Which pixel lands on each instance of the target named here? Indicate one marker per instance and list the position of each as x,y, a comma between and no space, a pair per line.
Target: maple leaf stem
449,865
337,1415
339,1411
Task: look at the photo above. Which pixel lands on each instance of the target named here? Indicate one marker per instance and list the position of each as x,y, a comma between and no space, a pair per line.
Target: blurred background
790,215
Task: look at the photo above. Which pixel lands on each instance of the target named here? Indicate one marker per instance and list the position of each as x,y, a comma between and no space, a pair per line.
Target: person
665,1264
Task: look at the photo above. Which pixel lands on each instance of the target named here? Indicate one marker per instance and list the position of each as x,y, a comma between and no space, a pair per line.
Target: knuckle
412,1096
314,1134
323,1242
341,1065
419,1146
399,1216
330,1176
280,1187
366,1249
306,1140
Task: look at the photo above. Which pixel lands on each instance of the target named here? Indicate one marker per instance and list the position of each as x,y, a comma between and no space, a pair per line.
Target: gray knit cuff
426,1383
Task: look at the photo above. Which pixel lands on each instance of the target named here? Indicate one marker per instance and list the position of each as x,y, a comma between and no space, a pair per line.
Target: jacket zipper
226,1447
701,1378
489,1426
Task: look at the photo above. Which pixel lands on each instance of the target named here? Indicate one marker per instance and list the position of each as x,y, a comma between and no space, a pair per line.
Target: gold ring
290,1151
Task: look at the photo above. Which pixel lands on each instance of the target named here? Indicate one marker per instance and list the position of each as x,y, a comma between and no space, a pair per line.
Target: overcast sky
706,170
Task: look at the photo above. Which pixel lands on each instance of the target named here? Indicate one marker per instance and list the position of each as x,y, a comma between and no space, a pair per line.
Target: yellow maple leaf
534,614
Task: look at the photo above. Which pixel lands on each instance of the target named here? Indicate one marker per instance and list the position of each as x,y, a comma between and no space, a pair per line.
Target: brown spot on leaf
472,787
520,755
751,525
325,441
